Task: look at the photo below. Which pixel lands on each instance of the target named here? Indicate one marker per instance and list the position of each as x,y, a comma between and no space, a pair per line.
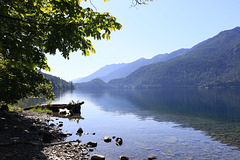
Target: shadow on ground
18,130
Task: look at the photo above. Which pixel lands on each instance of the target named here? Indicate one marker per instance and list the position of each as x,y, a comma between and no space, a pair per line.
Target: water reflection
216,112
34,101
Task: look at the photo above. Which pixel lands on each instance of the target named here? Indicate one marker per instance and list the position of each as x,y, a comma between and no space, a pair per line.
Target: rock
48,138
26,131
52,125
123,158
3,118
151,157
84,157
65,134
107,139
78,141
119,141
79,131
92,144
68,145
91,149
97,157
60,125
4,108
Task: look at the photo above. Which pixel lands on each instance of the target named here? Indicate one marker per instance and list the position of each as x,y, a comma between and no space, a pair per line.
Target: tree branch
40,23
139,2
93,5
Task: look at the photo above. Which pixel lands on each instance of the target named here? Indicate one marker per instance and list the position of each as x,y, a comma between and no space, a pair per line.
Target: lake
165,123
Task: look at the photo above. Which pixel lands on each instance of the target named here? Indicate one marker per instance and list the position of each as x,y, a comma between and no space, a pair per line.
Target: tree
29,29
140,2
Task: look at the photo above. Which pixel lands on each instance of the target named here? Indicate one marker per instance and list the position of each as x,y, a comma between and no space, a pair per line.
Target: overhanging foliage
31,28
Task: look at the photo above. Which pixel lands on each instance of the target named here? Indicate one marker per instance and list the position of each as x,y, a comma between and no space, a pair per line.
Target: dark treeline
58,83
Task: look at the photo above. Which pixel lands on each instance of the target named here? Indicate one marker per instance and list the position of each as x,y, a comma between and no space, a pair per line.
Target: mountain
58,83
116,71
211,63
100,73
93,84
131,67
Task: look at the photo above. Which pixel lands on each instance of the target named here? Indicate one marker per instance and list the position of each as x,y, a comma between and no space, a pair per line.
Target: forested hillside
58,83
93,84
212,63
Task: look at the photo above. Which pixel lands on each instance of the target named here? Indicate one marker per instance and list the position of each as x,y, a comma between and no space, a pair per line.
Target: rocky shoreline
29,135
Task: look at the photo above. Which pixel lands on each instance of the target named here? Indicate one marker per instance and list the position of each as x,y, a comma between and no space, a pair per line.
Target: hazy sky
160,27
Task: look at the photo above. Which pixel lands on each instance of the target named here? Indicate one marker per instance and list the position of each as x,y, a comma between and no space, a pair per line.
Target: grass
37,109
41,110
14,108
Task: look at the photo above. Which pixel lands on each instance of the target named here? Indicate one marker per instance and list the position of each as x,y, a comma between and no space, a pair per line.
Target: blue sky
160,27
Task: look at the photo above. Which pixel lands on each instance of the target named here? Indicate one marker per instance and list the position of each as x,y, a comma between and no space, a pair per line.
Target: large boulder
119,141
79,131
123,158
92,144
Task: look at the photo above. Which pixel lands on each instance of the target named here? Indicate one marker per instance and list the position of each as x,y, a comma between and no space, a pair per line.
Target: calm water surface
168,124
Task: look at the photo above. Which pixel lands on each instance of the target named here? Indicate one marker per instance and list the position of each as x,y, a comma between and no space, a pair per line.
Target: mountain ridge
102,71
211,63
115,71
